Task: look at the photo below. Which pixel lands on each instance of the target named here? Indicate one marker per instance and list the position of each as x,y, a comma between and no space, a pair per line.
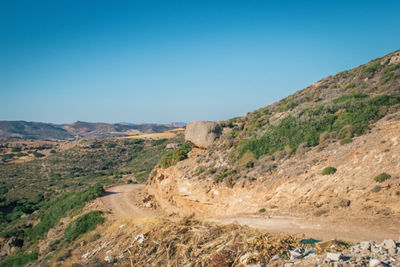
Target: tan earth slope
296,188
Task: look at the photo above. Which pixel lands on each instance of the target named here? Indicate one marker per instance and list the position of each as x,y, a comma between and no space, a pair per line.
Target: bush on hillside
16,149
329,170
38,155
83,224
372,67
19,260
59,207
382,177
357,111
346,141
173,157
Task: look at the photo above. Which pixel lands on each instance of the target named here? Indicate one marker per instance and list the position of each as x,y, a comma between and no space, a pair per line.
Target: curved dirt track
125,200
122,200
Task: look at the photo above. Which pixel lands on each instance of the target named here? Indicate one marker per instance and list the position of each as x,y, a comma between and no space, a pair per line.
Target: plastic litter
309,241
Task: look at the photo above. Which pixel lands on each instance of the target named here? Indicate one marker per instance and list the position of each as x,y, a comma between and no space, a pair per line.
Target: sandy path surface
317,229
125,200
122,200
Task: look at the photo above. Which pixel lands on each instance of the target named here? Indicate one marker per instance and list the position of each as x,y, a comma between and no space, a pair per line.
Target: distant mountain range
76,130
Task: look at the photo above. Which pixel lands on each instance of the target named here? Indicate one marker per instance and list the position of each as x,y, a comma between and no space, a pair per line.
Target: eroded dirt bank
348,204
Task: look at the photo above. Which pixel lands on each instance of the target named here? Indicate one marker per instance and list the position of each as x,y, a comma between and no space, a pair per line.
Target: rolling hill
76,130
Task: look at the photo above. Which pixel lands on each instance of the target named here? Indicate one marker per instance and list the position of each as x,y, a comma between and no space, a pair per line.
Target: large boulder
202,133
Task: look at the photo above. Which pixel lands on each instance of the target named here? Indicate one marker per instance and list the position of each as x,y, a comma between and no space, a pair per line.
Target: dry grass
206,244
157,136
144,241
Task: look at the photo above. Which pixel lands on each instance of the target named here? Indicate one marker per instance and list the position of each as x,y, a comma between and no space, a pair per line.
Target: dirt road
125,200
349,231
122,200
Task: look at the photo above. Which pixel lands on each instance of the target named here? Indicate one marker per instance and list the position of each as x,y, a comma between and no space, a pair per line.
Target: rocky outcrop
202,134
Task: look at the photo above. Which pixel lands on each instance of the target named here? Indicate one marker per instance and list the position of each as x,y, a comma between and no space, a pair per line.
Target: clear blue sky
163,61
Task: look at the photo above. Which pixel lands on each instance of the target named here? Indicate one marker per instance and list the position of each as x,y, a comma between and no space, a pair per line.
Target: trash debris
139,239
309,251
333,256
309,241
275,258
296,254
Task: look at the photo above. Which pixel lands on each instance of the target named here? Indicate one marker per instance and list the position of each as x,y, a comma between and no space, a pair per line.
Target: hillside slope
322,153
79,129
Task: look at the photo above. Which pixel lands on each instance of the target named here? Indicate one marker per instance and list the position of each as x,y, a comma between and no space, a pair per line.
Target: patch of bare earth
348,204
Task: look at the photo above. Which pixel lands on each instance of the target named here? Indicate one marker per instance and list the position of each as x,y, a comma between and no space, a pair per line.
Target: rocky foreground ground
367,253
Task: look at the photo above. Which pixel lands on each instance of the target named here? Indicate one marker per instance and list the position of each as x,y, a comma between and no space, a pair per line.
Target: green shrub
19,260
285,106
159,142
83,224
8,157
357,112
329,170
350,85
95,237
38,155
389,73
262,210
16,149
53,245
59,207
372,67
349,97
346,141
222,176
55,176
173,157
250,164
382,177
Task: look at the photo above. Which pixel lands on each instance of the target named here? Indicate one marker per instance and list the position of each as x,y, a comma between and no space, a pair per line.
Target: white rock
311,255
333,256
388,244
243,259
275,258
86,255
374,262
109,259
139,238
365,245
295,254
122,226
172,146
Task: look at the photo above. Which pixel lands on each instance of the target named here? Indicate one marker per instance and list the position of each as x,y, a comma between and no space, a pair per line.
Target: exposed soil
128,200
296,197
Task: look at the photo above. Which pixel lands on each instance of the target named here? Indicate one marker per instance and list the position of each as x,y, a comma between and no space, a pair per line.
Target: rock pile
366,253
